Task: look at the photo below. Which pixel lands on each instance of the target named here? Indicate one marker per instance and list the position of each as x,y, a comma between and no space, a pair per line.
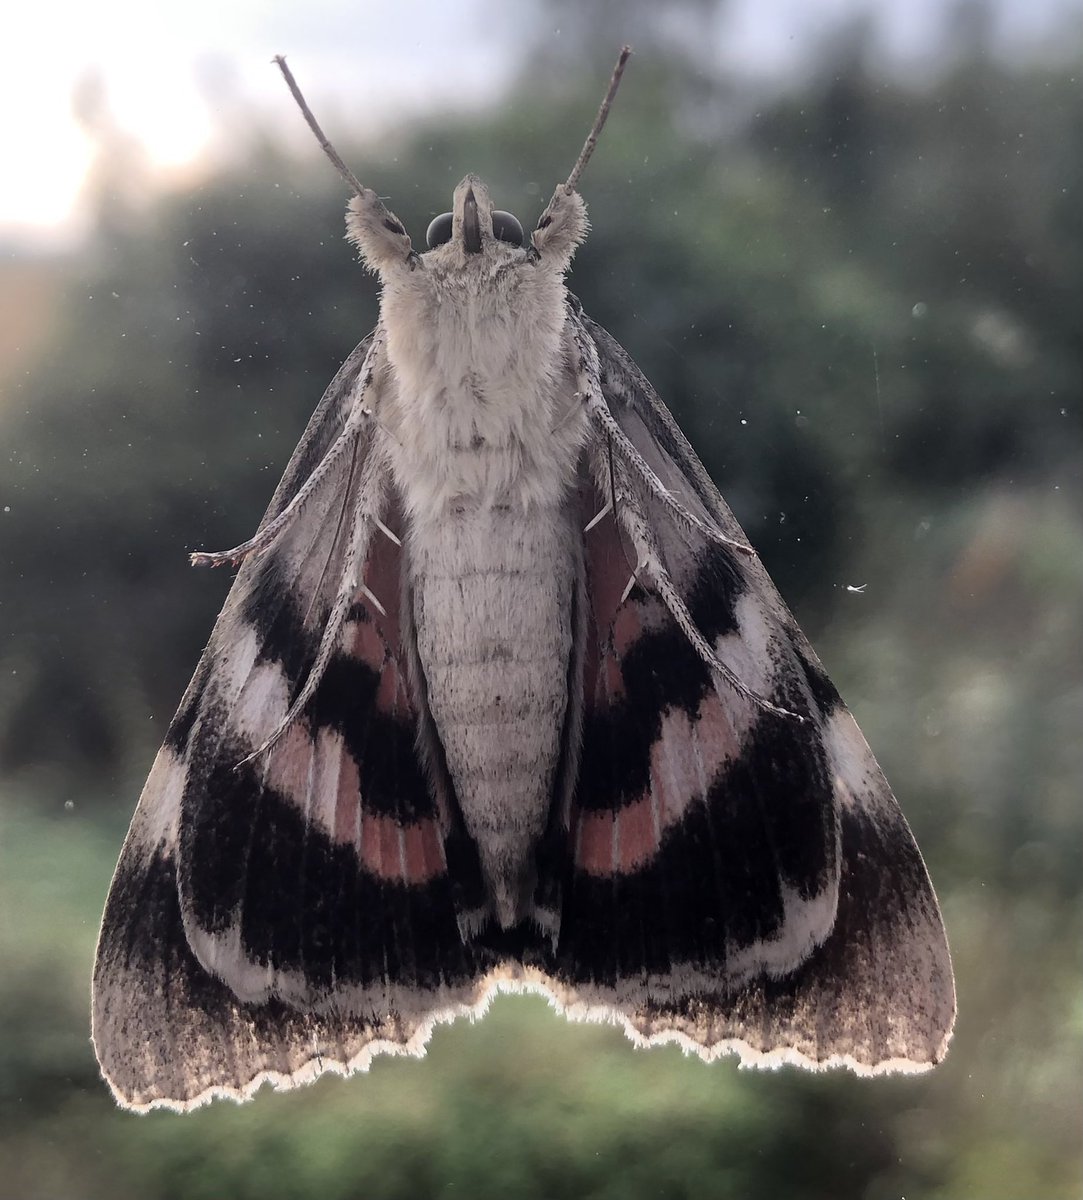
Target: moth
502,699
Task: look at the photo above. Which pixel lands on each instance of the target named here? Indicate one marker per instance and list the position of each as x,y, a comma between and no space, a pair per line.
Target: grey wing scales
858,972
278,915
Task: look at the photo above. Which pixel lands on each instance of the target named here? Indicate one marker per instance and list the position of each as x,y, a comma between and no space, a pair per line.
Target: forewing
740,879
271,910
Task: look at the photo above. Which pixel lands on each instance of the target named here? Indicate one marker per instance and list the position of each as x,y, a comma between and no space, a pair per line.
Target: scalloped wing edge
505,982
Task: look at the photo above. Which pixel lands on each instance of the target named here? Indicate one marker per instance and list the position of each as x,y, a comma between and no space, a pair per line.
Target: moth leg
651,562
391,537
347,439
264,538
599,516
611,472
368,502
585,364
633,579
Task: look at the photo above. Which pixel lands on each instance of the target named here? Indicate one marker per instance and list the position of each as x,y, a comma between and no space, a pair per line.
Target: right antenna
599,120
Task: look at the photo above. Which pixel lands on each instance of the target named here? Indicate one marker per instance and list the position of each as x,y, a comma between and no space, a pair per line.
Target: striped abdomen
492,595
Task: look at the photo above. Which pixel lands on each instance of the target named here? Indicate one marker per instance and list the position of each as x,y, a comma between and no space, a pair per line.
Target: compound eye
507,228
439,230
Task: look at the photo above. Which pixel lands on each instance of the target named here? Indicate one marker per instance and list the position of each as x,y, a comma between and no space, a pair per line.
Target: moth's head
473,238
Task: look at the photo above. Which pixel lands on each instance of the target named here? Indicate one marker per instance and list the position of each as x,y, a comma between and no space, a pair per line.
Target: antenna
595,129
314,125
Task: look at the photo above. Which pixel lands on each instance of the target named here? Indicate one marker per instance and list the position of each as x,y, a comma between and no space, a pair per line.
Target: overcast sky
171,74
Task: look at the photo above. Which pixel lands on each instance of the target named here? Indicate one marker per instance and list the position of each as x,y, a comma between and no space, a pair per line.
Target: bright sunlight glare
167,82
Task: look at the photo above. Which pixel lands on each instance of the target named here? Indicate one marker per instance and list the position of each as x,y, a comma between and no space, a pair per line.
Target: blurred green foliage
862,300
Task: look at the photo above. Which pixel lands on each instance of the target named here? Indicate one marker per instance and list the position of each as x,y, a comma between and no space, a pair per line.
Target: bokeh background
845,240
